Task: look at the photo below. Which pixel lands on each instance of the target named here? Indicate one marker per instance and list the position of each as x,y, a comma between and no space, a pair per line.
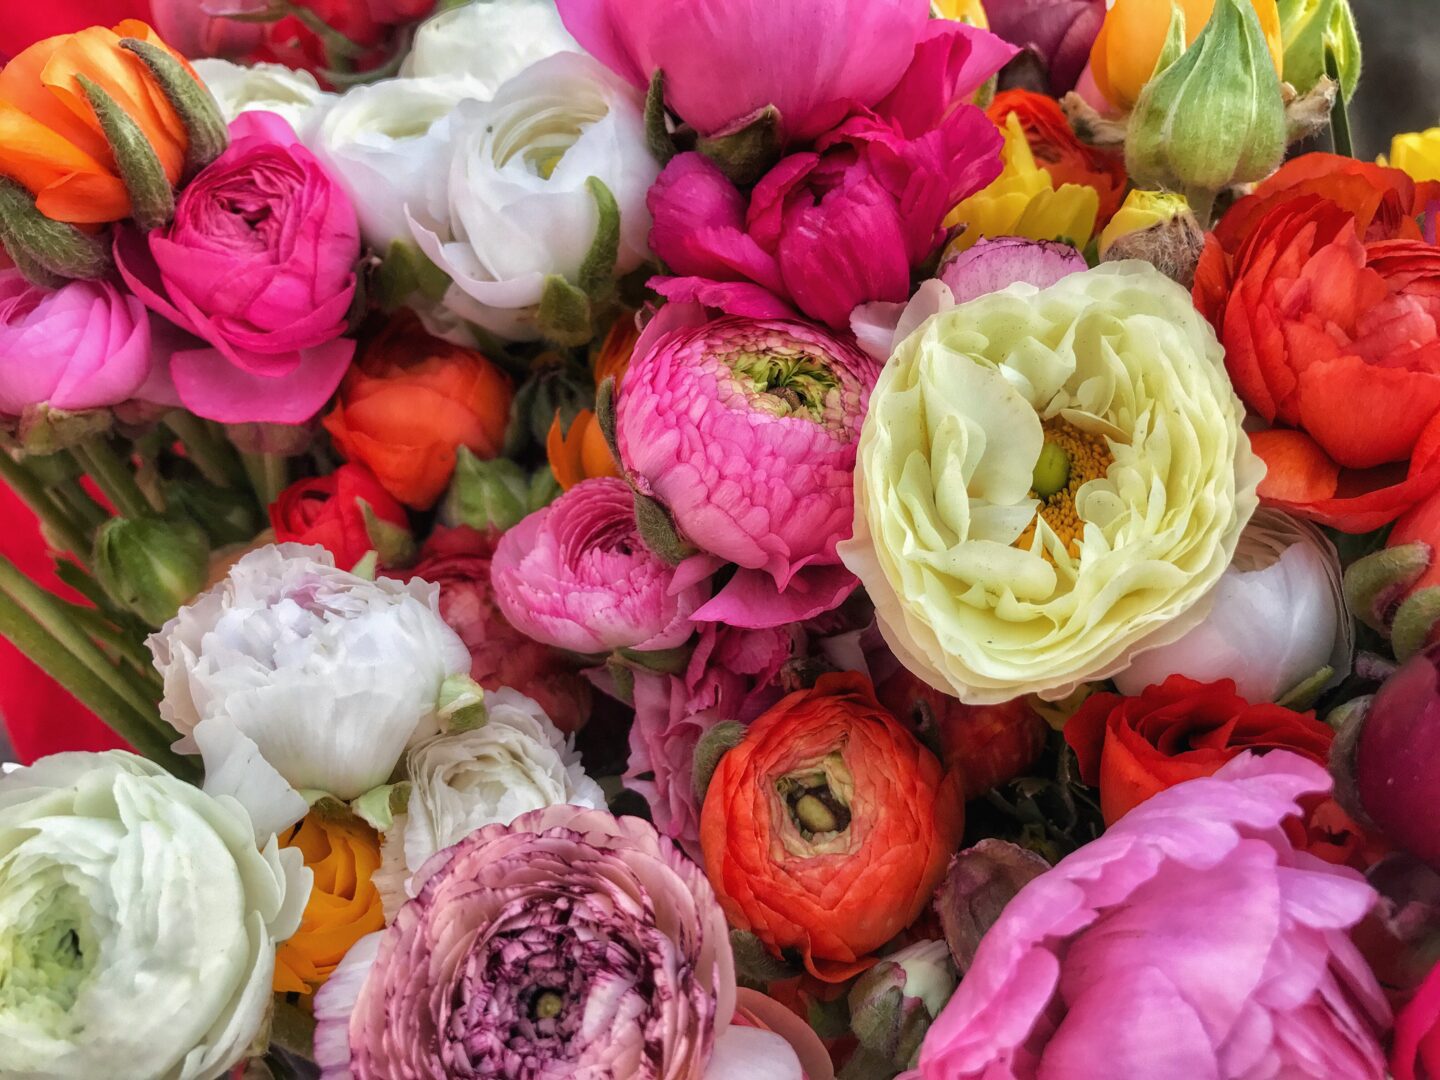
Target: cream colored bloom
988,591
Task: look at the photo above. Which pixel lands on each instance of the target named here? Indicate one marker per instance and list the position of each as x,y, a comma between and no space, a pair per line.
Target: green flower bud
1309,28
555,385
494,494
1213,115
151,566
893,1004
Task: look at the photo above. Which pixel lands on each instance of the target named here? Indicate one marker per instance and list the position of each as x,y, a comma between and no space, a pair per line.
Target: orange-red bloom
411,402
344,903
827,829
51,142
1327,300
1059,152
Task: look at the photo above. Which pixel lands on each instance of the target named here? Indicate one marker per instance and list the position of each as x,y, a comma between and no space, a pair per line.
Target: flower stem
32,493
85,511
268,475
113,477
213,456
1340,131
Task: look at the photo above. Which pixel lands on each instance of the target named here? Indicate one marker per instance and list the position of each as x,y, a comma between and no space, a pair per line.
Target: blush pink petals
577,575
1191,939
259,262
85,345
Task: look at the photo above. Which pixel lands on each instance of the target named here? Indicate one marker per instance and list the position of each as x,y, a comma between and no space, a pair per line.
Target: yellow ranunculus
1418,154
970,11
988,590
1141,210
1024,201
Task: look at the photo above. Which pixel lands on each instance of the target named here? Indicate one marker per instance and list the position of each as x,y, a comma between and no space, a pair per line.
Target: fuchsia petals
751,600
952,61
731,297
992,265
208,385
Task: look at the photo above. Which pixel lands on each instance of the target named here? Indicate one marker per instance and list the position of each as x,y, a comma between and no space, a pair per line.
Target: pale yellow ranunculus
1024,201
1418,153
987,590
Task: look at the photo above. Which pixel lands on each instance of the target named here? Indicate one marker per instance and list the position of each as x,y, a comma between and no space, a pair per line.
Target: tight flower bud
1158,227
1213,115
151,565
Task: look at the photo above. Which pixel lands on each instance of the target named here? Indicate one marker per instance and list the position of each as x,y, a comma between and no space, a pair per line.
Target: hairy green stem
32,493
213,456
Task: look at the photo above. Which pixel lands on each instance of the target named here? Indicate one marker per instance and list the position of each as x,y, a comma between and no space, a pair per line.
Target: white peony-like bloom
515,206
325,676
385,143
293,95
514,762
138,922
489,41
1278,618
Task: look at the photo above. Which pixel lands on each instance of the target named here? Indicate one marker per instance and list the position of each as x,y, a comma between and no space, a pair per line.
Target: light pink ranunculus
746,431
577,575
259,262
1191,940
85,345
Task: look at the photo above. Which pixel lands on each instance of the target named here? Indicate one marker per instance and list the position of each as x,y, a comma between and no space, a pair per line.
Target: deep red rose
327,510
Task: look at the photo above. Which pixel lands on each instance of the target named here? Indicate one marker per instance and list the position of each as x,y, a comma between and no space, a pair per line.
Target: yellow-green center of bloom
783,383
548,1005
1069,459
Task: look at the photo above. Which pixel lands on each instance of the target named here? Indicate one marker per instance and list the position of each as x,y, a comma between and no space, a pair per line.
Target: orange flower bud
344,903
580,453
410,402
827,829
50,140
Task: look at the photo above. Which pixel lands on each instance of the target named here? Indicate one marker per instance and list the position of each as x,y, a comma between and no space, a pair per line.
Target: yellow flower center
1069,459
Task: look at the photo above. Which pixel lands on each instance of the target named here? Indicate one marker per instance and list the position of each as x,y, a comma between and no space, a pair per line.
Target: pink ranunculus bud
260,263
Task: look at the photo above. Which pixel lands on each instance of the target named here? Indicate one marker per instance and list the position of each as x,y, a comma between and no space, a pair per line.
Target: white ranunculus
385,143
490,41
294,95
328,675
515,762
515,207
138,922
1278,619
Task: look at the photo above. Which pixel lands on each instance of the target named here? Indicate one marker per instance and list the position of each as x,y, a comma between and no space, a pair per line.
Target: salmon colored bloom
1056,149
410,402
827,829
50,140
344,903
1125,53
1327,300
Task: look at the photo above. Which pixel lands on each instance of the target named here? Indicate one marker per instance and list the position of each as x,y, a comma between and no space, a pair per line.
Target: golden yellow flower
1417,153
344,905
1024,201
1142,210
970,11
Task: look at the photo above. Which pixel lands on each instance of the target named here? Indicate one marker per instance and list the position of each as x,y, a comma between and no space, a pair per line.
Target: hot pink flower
84,345
1416,1053
260,263
577,575
746,431
1190,940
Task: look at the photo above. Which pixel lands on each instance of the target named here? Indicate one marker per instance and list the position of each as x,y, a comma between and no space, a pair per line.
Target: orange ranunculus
410,402
344,903
827,829
50,141
1327,300
1059,152
1130,41
581,452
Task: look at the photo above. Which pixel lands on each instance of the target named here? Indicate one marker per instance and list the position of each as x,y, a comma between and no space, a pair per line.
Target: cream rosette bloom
241,88
512,35
138,922
516,761
1048,480
515,205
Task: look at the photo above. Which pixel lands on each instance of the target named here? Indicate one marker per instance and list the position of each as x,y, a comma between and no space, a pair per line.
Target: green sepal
44,430
198,110
392,543
755,965
1375,584
379,806
747,151
368,566
461,705
605,416
405,272
657,130
564,316
658,531
152,199
597,272
713,745
1306,692
47,251
1414,620
661,661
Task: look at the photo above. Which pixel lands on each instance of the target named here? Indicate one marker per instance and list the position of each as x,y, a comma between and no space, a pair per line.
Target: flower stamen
1069,459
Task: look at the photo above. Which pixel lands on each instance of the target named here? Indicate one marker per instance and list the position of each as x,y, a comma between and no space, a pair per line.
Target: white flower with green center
1049,480
242,88
138,922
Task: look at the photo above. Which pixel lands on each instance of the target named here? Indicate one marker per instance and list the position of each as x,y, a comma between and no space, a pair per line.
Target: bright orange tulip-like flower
411,402
828,828
344,903
1129,44
1059,152
580,452
51,142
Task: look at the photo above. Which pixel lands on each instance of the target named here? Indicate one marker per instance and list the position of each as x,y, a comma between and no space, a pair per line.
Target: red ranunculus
1327,299
327,510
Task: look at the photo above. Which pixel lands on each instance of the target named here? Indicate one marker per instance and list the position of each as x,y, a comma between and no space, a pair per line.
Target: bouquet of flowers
722,540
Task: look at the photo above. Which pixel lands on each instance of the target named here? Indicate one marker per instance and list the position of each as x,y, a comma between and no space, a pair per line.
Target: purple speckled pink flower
746,430
568,944
1191,940
577,575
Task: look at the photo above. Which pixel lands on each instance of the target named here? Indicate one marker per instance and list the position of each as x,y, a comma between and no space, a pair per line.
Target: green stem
113,477
87,513
269,473
211,455
33,494
107,634
1340,131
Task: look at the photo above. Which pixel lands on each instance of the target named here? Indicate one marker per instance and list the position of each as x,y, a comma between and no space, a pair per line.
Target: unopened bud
894,1003
981,880
494,494
1159,228
1310,28
227,515
152,566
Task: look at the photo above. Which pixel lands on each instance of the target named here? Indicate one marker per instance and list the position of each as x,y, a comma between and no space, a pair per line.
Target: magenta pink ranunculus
1191,940
84,345
577,575
259,262
724,60
568,943
746,431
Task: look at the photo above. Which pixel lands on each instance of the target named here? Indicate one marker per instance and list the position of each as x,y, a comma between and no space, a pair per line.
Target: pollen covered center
1069,459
